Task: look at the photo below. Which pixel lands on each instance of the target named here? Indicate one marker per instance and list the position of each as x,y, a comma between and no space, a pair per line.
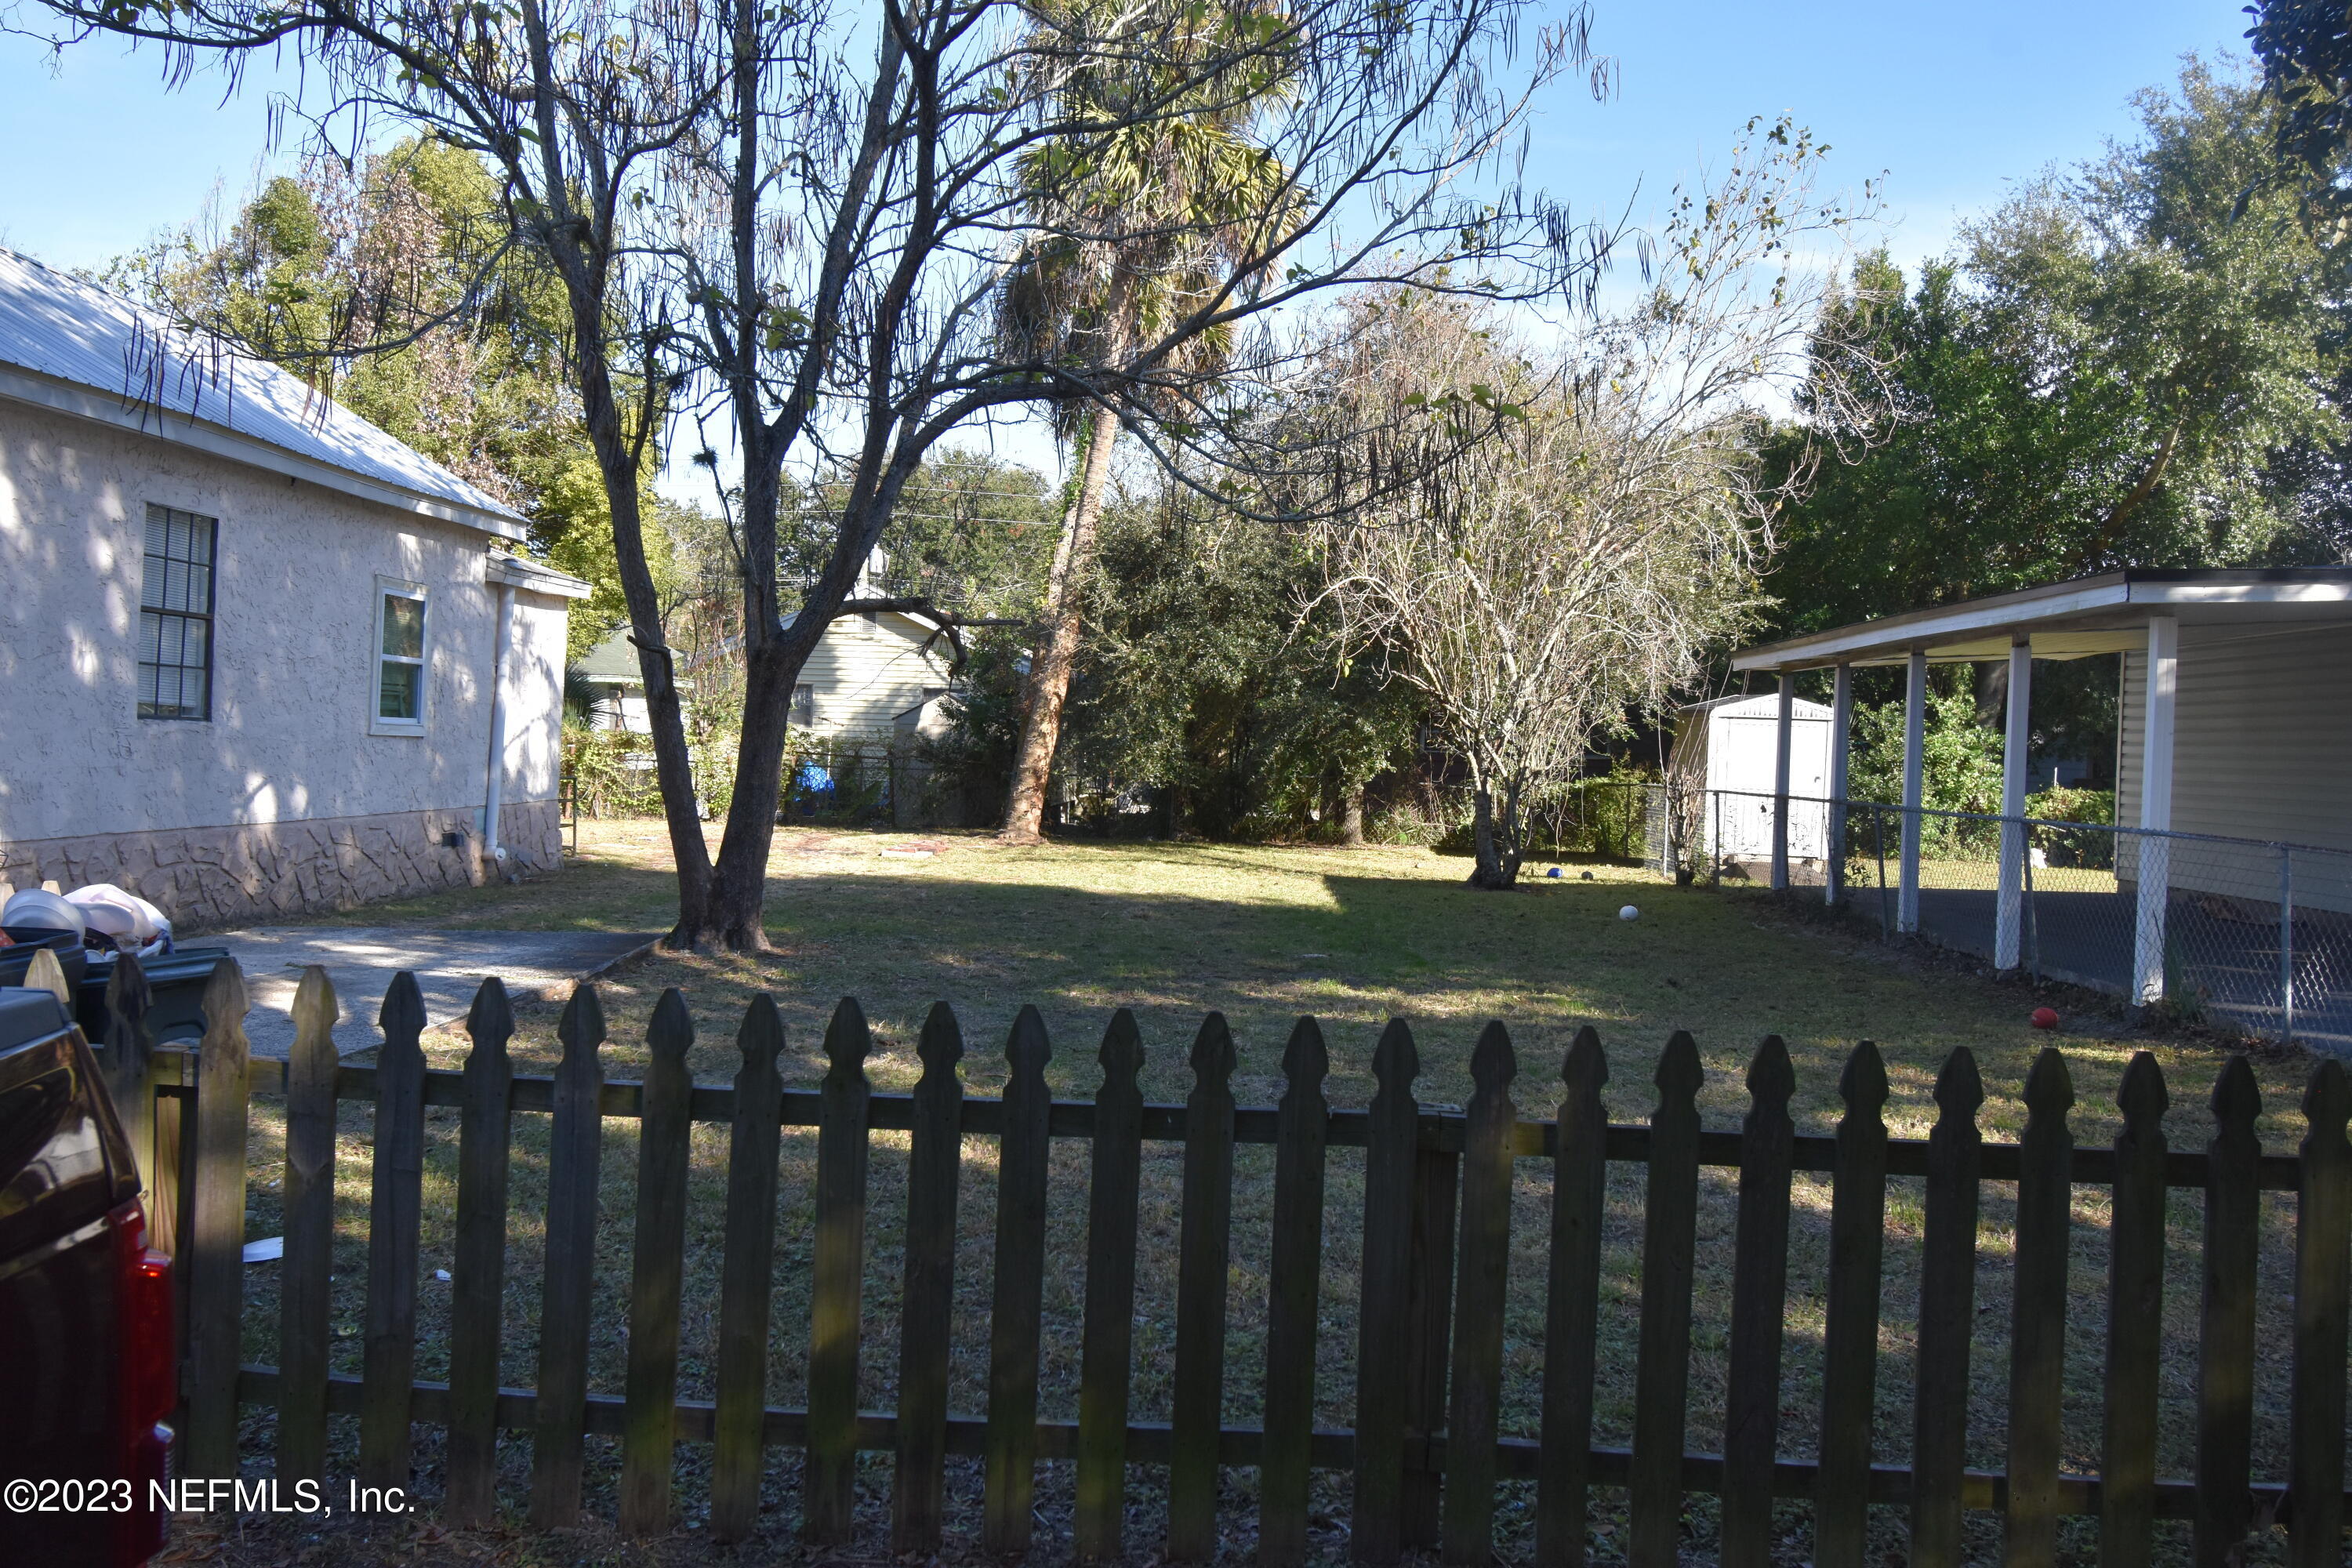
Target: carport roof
2075,619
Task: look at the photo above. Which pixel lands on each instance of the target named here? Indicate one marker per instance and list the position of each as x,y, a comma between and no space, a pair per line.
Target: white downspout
493,797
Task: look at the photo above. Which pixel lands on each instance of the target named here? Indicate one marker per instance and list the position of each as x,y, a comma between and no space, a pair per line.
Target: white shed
1731,745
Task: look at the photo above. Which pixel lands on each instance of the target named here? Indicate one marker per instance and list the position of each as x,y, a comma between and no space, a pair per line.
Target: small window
175,616
400,658
804,706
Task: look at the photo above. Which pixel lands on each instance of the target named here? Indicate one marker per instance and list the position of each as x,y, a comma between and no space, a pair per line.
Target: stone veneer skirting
225,876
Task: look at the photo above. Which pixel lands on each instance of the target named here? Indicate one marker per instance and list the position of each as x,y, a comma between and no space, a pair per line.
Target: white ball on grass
1629,913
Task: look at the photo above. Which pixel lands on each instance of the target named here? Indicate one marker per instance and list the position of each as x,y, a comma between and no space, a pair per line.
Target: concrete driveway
450,967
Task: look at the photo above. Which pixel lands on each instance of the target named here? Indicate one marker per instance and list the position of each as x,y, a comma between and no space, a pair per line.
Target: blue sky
1954,102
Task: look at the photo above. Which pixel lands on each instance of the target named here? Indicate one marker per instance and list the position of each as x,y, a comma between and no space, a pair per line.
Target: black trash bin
176,993
30,940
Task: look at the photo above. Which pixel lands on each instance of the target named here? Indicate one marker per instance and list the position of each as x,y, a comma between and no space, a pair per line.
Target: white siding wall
2262,748
864,674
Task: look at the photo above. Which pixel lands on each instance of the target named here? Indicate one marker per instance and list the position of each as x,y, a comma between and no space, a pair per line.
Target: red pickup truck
88,1373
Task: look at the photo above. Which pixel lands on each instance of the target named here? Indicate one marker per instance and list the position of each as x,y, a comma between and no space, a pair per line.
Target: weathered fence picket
927,1314
395,1205
836,1278
215,1239
2135,1227
1428,1453
665,1145
1661,1375
1294,1299
574,1159
1483,1278
747,1272
1024,1152
1205,1255
129,1070
1759,1289
1850,1329
1429,1336
2037,1333
2322,1297
2225,1345
1579,1196
306,1271
1948,1294
477,1257
1106,1353
1376,1535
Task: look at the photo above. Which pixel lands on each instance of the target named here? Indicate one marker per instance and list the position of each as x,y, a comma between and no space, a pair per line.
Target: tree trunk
619,460
1496,867
735,914
1049,667
1352,816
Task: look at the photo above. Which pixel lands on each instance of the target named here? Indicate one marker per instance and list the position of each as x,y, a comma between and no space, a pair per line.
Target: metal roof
73,346
613,661
2075,619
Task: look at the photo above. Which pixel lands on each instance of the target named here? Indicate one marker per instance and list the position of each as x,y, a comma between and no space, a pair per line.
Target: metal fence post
1833,833
1878,840
1715,839
2287,943
2032,918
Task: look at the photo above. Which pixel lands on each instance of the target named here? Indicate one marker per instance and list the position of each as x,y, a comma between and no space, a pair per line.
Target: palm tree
1145,226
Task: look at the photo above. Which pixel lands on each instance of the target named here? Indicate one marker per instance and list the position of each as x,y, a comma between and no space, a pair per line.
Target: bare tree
1584,559
804,219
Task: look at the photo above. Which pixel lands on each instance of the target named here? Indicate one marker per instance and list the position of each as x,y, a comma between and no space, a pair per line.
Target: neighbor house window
175,616
400,658
804,706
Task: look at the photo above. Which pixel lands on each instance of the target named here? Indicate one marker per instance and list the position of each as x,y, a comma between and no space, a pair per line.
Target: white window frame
392,588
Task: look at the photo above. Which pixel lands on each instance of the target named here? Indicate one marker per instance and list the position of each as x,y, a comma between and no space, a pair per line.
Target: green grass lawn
1263,934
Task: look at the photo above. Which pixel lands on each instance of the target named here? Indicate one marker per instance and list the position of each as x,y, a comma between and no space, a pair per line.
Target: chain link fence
2250,934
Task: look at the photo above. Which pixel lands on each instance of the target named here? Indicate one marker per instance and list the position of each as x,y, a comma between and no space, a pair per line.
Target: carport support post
1915,738
1840,736
2009,911
2154,867
1783,733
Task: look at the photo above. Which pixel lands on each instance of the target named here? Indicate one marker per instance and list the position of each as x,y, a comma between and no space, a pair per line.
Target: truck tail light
150,1382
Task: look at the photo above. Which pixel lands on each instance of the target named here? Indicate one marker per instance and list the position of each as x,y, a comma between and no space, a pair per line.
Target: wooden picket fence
1425,1452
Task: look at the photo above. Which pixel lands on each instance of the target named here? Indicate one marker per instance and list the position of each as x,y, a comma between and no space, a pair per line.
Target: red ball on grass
2045,1017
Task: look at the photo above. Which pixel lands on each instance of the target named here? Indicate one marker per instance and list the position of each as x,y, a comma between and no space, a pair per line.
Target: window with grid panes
175,616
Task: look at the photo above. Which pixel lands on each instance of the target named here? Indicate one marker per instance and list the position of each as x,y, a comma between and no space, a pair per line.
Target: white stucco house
255,655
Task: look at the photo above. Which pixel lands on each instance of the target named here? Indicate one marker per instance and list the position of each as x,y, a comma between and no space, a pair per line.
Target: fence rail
1426,1452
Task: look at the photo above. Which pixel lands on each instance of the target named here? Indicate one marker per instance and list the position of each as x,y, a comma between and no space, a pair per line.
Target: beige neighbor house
873,679
255,655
